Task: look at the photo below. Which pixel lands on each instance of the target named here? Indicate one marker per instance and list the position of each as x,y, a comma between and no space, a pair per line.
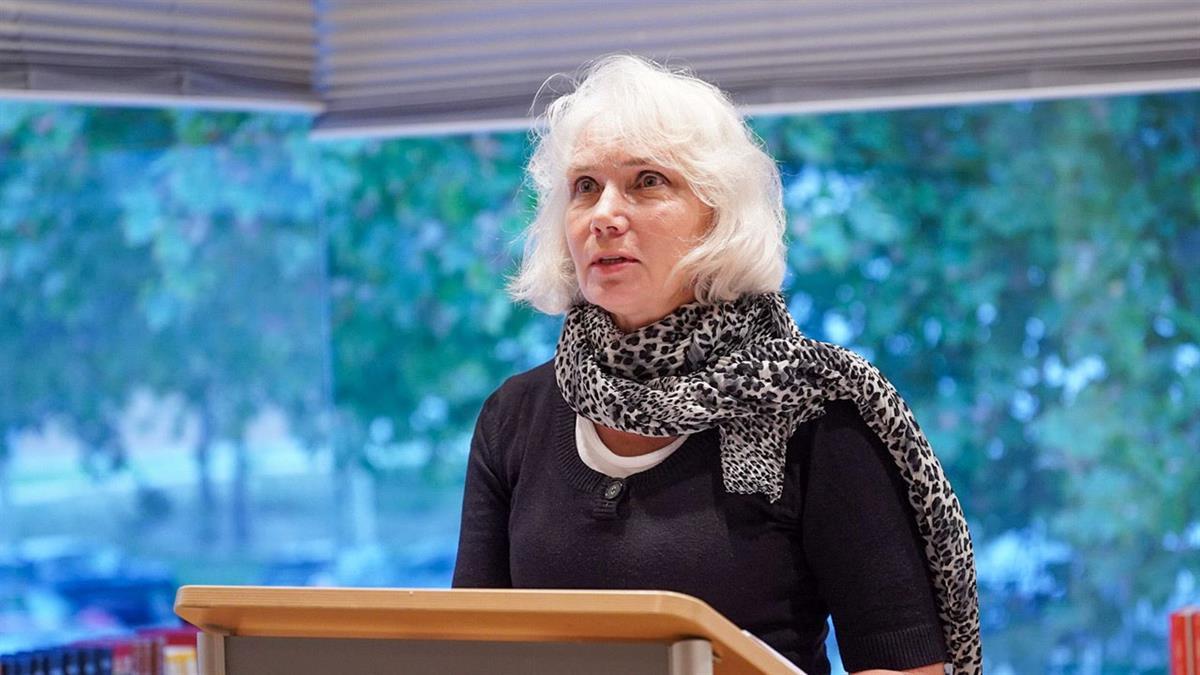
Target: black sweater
842,540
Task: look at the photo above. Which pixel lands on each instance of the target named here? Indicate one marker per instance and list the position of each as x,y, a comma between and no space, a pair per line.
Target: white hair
680,121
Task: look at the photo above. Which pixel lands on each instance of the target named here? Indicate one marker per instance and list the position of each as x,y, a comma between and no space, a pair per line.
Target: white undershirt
596,454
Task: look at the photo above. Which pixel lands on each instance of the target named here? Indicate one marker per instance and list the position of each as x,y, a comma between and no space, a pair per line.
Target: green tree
1022,272
421,243
173,250
67,350
236,298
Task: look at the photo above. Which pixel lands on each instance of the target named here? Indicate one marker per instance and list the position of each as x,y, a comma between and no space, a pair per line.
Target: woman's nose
609,215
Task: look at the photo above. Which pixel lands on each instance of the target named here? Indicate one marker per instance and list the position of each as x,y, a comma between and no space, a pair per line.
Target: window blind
373,67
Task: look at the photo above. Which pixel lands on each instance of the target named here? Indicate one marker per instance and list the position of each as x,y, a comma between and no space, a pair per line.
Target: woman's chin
614,299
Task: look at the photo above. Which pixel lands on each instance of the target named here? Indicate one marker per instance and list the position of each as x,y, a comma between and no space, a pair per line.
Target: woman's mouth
612,263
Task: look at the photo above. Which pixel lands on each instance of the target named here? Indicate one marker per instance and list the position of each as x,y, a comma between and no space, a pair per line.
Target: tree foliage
422,240
1025,273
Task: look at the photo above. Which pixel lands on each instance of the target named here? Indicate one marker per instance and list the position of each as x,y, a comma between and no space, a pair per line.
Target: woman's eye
585,184
649,179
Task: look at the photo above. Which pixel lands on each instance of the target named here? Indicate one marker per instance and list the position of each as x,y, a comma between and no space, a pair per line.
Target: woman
686,436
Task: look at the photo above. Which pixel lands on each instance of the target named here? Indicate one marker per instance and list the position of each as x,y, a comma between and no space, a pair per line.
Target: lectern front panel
356,656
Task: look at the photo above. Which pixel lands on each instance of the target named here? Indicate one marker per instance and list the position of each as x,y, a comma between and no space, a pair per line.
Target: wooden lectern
252,630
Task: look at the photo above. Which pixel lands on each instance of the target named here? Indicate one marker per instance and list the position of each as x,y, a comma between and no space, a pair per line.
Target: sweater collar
699,449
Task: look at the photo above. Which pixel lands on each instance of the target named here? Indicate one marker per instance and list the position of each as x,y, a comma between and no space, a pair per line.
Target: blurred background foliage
261,357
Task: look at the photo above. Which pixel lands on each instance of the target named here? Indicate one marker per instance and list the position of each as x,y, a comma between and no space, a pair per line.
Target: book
1195,641
1184,641
158,651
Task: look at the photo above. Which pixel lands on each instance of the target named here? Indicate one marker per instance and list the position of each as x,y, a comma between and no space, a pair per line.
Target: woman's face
629,221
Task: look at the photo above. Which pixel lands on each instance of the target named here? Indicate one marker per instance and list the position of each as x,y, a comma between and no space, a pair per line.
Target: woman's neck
626,444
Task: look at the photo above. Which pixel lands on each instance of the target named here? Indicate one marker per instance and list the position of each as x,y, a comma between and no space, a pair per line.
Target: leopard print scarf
745,368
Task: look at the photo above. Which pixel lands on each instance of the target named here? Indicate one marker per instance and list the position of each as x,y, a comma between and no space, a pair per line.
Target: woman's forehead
607,158
593,151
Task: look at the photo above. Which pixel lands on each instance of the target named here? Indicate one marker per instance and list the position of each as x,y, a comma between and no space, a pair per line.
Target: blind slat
244,20
732,18
167,27
45,38
887,56
149,57
766,67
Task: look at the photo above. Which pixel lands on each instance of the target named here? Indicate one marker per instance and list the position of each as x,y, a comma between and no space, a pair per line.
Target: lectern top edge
505,615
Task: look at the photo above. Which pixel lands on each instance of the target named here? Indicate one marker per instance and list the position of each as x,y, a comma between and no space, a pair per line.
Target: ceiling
385,68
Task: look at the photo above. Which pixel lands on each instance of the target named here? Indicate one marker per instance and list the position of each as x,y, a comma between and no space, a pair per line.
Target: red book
123,658
121,653
1185,636
1195,641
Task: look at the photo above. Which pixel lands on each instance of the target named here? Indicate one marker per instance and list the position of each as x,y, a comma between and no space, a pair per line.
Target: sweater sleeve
483,538
862,545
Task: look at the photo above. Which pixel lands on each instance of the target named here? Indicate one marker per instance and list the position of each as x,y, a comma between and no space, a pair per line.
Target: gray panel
263,50
300,656
385,67
479,62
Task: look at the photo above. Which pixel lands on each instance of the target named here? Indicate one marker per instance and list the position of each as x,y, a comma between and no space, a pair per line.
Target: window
229,354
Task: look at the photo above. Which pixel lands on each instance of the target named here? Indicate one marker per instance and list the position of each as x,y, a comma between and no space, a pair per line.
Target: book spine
123,659
1179,644
1194,640
55,661
41,662
71,659
104,661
